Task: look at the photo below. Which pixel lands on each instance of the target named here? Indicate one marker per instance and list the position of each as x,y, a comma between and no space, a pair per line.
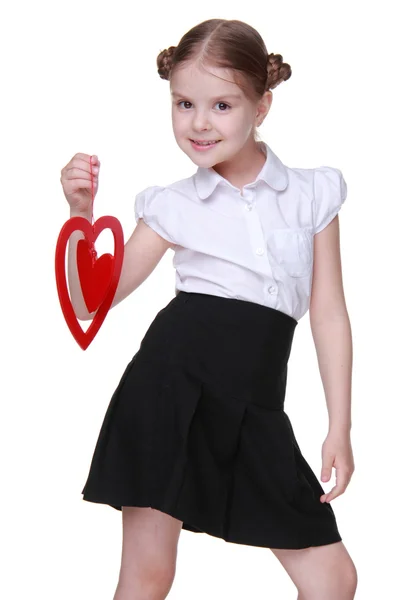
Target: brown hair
228,44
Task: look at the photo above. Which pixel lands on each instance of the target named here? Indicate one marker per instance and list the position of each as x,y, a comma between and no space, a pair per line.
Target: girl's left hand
337,452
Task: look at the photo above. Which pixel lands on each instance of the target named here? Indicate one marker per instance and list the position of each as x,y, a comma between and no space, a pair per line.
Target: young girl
195,435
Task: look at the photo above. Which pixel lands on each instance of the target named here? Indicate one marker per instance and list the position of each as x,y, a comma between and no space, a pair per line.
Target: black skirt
197,429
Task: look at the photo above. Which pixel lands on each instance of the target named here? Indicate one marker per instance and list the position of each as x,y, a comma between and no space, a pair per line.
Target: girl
195,435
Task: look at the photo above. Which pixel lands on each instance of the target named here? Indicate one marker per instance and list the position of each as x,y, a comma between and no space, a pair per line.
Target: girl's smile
202,146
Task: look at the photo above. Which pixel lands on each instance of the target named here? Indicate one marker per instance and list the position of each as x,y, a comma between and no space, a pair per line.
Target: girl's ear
263,107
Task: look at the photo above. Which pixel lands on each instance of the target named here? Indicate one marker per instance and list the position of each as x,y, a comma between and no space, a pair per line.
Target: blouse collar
273,173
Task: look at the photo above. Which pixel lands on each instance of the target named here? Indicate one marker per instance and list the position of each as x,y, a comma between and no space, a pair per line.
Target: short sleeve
330,191
153,207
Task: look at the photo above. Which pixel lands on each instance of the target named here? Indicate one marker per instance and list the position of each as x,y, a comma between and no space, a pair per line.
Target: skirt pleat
196,428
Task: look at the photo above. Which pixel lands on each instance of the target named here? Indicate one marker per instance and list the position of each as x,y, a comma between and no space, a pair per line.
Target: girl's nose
200,121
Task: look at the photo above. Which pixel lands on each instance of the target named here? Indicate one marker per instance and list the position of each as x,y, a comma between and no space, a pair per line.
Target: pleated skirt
196,428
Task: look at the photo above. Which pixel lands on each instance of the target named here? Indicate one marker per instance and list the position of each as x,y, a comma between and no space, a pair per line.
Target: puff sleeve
330,191
153,207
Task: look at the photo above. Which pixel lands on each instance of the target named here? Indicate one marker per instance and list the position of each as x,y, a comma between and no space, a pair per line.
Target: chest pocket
291,250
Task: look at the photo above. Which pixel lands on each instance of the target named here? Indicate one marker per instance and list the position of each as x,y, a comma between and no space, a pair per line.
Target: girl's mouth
198,145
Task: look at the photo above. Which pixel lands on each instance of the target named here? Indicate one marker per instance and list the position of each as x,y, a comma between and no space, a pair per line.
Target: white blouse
256,246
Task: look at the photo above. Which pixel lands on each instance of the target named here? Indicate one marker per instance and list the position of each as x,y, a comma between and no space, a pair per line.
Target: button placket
247,196
255,230
255,222
258,246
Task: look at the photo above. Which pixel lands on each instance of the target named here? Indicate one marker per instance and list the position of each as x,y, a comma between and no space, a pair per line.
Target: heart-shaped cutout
91,232
94,274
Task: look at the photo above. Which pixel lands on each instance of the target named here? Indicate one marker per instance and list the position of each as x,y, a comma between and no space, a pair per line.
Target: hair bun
164,62
277,71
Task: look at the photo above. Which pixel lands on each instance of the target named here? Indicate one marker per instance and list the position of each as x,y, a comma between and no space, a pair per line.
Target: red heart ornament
94,274
91,232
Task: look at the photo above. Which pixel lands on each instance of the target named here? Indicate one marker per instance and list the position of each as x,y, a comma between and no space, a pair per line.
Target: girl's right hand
76,182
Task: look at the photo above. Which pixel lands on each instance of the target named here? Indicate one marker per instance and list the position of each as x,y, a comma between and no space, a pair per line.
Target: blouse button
249,207
260,251
272,289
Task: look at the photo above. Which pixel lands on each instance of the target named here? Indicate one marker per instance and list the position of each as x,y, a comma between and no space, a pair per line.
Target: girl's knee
152,581
337,582
321,571
149,553
350,578
160,574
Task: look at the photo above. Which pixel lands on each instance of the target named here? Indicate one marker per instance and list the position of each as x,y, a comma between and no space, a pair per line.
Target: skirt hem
302,541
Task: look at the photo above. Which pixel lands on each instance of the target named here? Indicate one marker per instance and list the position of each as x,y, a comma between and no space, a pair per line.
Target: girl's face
206,108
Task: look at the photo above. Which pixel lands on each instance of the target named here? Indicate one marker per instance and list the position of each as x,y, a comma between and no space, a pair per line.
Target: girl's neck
244,167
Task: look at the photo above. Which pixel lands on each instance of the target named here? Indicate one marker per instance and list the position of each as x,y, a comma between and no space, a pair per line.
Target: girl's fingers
81,170
75,173
83,184
86,157
342,481
82,161
79,166
336,491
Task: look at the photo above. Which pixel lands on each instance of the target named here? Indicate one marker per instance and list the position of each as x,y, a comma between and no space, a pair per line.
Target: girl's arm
142,252
331,328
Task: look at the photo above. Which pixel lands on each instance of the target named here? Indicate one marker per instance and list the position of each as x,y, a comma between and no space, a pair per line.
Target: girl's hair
228,44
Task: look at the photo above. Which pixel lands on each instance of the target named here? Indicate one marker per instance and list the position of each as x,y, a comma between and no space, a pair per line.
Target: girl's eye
223,104
184,102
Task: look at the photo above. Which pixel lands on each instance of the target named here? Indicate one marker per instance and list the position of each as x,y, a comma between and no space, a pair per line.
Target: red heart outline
91,232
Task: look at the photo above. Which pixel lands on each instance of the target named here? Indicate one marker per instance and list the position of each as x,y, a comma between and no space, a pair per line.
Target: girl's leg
320,572
149,551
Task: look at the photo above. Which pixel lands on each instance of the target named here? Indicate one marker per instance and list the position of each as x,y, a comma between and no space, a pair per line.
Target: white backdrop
80,76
